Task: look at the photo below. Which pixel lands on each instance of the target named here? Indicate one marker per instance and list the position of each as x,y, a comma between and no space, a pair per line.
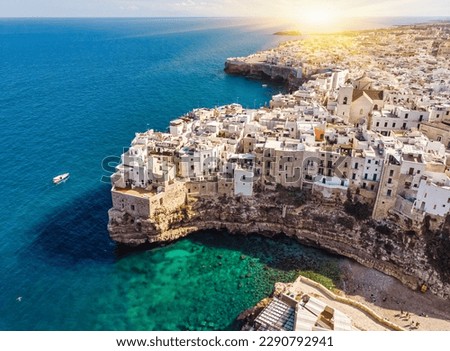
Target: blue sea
72,93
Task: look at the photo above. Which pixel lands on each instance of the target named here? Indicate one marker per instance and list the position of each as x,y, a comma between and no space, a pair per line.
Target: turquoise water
73,92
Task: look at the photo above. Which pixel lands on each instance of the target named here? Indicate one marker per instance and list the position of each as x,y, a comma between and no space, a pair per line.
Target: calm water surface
73,92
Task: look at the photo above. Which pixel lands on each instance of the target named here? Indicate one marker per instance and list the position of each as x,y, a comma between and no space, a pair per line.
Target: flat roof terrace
137,192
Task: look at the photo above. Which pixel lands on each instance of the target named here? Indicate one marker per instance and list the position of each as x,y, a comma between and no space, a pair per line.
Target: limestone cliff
266,71
415,256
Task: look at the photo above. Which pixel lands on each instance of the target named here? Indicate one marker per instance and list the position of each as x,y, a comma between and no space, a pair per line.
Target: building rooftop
288,314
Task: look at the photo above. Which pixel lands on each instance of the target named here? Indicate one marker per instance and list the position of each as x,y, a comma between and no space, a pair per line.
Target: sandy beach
386,296
394,301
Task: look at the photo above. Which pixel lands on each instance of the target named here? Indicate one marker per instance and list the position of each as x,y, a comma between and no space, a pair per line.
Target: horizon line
246,17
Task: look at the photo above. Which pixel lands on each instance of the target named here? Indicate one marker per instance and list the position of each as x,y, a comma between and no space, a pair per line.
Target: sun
316,18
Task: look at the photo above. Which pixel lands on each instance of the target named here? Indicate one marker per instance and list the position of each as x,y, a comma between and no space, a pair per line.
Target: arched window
375,107
361,112
345,100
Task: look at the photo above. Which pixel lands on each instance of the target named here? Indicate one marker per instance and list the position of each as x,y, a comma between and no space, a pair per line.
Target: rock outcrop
265,71
417,257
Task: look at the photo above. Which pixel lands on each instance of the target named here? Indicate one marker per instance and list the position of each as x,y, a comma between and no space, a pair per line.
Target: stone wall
135,206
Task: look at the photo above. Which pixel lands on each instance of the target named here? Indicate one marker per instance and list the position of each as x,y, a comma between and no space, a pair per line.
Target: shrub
358,210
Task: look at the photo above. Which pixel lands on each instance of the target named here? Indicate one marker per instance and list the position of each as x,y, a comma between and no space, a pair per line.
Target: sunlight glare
317,18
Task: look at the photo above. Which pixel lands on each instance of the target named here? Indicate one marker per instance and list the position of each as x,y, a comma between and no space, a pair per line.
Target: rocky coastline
418,257
265,71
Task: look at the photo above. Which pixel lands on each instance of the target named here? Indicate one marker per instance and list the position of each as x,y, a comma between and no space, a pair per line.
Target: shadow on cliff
76,232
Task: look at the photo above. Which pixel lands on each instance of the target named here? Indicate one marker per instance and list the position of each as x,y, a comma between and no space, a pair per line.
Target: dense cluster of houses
375,123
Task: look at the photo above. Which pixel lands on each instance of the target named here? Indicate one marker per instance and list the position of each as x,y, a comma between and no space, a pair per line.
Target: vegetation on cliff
438,248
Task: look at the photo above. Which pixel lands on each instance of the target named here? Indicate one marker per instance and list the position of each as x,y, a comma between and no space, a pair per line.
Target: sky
320,9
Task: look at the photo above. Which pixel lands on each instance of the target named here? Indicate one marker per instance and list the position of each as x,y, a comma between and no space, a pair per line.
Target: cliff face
415,257
265,71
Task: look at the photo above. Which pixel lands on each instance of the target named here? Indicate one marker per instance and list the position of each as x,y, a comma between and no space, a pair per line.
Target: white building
243,182
397,118
433,198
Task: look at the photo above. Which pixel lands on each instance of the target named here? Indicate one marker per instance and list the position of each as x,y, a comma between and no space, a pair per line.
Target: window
374,177
378,124
361,112
404,126
354,177
132,207
364,185
385,124
411,171
389,192
345,100
393,125
365,176
406,115
372,187
356,165
420,118
390,181
391,173
369,161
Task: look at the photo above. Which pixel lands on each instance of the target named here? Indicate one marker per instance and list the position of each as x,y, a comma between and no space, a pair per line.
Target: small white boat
60,178
264,85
